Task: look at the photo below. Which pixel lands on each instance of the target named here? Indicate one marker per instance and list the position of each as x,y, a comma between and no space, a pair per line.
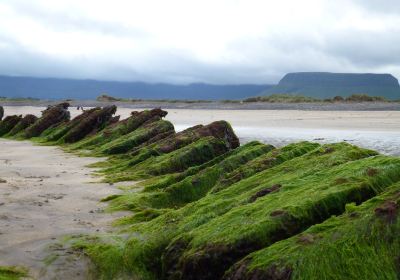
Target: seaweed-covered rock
135,138
194,183
138,118
121,128
219,129
8,123
93,122
58,132
273,272
281,214
264,162
1,112
24,123
362,243
52,116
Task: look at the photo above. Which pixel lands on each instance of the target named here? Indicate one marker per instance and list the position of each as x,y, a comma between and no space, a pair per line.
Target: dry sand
379,130
45,194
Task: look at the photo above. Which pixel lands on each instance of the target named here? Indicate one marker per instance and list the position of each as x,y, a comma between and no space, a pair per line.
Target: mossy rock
8,124
92,122
24,123
116,130
52,116
362,243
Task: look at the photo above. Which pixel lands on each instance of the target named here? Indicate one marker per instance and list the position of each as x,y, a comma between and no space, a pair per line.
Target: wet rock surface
52,116
8,124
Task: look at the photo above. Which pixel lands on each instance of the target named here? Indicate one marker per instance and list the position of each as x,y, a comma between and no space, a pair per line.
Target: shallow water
385,142
382,141
377,130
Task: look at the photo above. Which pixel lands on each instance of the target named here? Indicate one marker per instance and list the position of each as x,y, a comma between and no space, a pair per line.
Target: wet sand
46,194
378,130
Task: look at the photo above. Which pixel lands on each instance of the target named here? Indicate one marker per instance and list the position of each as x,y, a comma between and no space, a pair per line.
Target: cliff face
328,85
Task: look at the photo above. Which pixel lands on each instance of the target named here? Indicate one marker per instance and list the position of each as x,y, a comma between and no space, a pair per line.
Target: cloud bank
183,41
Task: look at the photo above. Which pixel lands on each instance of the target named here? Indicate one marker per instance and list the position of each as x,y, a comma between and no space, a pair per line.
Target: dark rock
219,129
8,124
372,172
52,116
90,123
264,192
387,211
1,112
241,271
24,123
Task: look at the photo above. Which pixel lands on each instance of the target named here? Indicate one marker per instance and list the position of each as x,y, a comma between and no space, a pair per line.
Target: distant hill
52,88
328,85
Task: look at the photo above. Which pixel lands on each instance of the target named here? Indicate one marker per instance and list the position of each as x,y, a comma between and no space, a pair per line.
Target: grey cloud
257,59
379,6
66,20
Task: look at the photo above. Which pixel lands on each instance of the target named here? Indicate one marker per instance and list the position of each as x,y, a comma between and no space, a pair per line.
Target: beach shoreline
46,195
377,130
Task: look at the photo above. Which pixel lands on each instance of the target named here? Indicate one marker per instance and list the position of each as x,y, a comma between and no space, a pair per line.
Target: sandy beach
45,195
379,130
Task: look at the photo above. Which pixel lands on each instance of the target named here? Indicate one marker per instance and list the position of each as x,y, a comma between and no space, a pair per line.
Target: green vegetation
108,98
18,99
282,98
207,208
12,273
295,98
362,243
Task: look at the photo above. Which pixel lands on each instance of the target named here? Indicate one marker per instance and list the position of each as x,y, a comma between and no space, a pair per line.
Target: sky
185,41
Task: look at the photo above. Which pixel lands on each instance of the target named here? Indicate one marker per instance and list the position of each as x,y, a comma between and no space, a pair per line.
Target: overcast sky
183,41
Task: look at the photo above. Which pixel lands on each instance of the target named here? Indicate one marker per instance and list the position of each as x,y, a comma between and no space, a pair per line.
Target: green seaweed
12,273
362,243
193,186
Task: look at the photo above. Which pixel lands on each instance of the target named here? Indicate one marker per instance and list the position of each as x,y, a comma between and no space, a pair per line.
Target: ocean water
385,142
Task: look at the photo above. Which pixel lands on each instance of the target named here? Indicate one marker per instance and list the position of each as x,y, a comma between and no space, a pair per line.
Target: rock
2,181
52,116
90,123
387,211
1,112
264,192
8,124
273,272
219,129
24,123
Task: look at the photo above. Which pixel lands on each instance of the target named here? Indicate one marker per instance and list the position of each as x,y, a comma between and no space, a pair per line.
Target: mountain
52,88
328,85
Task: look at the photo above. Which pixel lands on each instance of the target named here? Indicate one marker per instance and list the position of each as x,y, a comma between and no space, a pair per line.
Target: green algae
12,273
141,167
362,243
192,187
135,138
8,123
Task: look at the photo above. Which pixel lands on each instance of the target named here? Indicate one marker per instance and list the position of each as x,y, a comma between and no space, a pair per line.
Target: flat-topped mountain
328,85
52,88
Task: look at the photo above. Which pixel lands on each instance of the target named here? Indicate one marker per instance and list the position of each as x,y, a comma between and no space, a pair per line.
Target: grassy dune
208,208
